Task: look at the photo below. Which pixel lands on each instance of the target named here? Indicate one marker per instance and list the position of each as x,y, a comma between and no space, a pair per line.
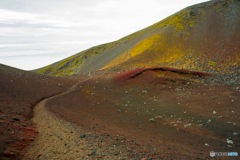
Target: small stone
16,119
8,153
82,136
206,144
229,141
235,133
152,119
229,146
214,112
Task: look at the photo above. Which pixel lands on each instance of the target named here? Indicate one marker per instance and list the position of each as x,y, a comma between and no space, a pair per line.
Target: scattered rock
206,144
15,119
93,153
152,119
8,153
229,140
82,136
187,125
235,133
214,112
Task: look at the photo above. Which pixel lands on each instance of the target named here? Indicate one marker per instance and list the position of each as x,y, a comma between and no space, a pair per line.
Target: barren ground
137,119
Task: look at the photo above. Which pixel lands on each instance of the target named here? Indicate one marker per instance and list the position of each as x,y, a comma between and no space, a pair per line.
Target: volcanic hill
169,91
204,37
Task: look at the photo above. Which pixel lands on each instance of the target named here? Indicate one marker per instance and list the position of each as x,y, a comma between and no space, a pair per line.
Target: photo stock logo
212,153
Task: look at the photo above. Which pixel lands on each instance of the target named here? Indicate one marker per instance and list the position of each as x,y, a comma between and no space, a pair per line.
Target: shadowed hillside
203,37
20,91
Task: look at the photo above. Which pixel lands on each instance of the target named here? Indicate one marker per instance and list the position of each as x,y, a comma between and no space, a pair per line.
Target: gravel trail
58,139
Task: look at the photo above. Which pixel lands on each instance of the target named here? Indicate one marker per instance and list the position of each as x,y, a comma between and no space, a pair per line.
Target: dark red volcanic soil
133,73
19,92
154,117
152,113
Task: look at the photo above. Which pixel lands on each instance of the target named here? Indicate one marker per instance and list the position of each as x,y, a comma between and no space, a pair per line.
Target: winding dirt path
58,139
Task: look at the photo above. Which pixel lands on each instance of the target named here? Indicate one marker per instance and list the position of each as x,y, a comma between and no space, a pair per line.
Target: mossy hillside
72,64
211,45
175,20
198,32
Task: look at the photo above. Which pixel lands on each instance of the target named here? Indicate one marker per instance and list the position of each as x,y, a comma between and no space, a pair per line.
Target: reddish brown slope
119,113
19,92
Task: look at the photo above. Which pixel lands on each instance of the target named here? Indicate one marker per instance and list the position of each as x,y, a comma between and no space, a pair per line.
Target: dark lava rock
82,136
15,119
93,153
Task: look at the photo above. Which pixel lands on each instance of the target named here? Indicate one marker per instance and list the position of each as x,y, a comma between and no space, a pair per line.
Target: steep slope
203,37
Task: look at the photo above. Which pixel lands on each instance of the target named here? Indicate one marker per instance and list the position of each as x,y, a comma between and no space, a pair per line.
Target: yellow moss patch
210,63
144,45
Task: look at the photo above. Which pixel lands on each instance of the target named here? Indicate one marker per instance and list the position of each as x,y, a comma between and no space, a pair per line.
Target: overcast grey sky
35,33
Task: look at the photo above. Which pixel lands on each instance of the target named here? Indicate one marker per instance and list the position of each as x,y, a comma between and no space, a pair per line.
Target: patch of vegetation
76,61
210,63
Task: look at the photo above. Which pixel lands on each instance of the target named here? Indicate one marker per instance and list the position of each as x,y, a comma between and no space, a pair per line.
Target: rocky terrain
169,91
